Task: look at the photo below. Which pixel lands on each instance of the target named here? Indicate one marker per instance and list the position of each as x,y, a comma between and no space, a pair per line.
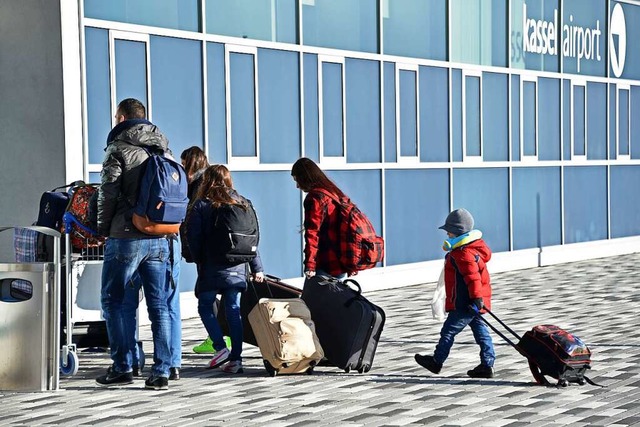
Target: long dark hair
217,187
309,176
194,160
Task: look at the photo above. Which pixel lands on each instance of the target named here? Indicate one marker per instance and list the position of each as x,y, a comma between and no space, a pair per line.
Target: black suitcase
550,351
348,325
272,287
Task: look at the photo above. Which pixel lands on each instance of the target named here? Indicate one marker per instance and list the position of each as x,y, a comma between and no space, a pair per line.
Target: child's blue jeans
456,321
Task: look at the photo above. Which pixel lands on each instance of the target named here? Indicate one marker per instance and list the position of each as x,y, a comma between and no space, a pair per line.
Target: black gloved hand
476,305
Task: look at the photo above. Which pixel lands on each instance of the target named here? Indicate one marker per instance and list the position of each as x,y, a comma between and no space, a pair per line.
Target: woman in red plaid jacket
321,220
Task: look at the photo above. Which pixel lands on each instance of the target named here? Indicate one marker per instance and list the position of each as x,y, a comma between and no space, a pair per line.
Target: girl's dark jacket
213,274
466,276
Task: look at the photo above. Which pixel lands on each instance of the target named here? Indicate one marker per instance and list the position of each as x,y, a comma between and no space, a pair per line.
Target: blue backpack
162,196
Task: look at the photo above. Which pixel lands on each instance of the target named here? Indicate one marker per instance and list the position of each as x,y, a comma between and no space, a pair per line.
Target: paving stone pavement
597,300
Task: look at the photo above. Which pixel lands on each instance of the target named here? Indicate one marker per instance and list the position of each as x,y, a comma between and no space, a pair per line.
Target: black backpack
236,232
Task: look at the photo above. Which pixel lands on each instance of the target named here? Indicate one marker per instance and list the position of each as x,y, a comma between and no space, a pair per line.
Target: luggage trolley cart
83,279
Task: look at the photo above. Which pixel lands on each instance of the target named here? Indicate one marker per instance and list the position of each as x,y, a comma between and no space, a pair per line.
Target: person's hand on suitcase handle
309,274
258,277
476,305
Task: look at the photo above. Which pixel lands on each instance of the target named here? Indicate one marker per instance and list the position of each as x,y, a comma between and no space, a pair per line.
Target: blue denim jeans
131,301
456,321
231,301
150,258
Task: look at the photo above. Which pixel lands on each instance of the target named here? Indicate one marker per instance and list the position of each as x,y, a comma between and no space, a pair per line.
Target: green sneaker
206,347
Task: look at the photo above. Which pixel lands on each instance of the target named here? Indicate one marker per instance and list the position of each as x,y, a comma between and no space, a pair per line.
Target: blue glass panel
529,118
364,187
350,25
311,114
389,112
253,19
408,113
549,119
624,16
415,28
567,120
585,203
578,121
176,85
434,114
536,207
634,120
485,193
584,36
332,109
515,117
472,115
623,124
597,120
456,113
280,236
530,47
94,177
625,201
188,276
243,104
479,32
176,14
131,70
217,104
415,214
98,92
613,122
279,106
363,110
495,116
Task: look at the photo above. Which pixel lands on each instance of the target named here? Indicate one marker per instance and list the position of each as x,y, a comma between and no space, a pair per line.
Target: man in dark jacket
129,251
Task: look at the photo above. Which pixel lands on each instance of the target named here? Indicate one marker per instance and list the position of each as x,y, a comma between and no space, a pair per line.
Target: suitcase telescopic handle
502,335
356,284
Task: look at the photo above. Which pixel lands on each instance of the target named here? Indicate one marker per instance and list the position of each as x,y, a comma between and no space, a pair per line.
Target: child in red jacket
468,288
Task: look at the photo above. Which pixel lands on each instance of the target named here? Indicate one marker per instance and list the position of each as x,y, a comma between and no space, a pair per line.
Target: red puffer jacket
466,276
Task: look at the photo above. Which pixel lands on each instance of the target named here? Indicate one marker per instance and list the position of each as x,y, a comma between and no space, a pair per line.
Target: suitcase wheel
581,381
364,369
270,369
309,371
347,369
563,383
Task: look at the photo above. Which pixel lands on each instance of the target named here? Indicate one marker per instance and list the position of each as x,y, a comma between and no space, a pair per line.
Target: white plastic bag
437,302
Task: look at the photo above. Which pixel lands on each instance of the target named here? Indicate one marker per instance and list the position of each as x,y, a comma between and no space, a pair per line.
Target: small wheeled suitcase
272,287
286,336
348,325
550,351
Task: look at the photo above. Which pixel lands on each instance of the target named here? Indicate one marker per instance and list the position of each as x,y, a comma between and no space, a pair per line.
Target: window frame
529,78
620,87
416,69
577,81
465,157
331,160
241,161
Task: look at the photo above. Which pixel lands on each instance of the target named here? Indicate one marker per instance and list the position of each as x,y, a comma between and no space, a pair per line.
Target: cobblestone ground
598,300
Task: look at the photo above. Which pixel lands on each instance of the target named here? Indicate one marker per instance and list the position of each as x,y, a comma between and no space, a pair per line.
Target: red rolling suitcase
550,351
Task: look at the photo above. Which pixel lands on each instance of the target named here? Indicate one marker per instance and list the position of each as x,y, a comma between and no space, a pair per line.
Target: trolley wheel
270,369
71,366
563,383
581,381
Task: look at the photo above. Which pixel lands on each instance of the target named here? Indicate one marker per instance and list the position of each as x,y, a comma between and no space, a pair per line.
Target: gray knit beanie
458,222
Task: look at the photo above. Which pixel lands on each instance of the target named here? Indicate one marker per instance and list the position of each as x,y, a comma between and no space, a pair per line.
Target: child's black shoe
481,371
429,363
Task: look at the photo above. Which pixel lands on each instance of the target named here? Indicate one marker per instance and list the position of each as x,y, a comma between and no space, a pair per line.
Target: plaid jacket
321,234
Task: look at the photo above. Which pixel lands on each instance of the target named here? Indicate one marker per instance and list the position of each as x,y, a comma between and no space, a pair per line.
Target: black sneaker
481,371
429,363
174,374
114,378
157,383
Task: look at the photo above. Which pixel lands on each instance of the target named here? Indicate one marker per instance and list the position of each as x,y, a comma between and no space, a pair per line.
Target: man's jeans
131,301
231,301
150,258
456,321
